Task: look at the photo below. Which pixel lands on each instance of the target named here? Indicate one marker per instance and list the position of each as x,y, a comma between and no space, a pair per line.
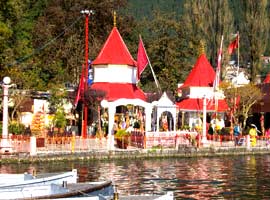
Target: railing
21,144
72,144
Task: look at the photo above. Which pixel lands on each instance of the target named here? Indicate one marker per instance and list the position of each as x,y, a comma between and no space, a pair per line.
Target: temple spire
202,47
114,18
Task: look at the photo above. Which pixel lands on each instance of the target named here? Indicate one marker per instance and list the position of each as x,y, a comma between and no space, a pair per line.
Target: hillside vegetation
42,41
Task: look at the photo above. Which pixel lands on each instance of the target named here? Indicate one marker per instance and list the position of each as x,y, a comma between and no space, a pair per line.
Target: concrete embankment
185,152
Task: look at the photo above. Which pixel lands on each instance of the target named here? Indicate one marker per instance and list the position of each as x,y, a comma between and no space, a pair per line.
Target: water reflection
231,177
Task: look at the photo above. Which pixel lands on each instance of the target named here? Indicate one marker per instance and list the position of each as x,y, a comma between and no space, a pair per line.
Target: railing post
144,142
73,142
33,146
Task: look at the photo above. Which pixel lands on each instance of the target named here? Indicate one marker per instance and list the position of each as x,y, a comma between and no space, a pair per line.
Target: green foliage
121,133
57,98
42,42
241,99
163,44
216,21
122,138
254,17
16,128
59,119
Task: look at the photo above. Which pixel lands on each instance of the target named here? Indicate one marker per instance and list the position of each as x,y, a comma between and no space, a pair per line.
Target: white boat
22,180
55,191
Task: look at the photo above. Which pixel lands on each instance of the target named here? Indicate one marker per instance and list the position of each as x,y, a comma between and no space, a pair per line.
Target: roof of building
114,51
201,75
197,105
116,91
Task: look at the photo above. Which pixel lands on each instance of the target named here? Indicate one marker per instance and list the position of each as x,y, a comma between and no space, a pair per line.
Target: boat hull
54,191
22,180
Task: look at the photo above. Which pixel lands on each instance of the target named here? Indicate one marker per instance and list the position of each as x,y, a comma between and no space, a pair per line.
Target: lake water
229,177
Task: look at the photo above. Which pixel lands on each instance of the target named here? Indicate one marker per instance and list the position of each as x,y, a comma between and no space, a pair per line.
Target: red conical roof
114,51
114,91
267,78
202,74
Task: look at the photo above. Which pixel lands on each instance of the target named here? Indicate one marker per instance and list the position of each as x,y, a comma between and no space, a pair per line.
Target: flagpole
238,43
155,78
218,70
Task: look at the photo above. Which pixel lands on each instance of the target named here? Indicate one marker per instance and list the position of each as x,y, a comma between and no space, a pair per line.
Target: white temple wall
115,74
201,92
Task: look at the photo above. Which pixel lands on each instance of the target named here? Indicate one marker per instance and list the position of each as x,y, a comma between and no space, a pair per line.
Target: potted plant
122,138
16,128
60,121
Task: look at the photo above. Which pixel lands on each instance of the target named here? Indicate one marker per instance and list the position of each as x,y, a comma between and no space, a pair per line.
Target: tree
93,100
208,21
167,50
241,99
58,96
63,38
59,119
254,32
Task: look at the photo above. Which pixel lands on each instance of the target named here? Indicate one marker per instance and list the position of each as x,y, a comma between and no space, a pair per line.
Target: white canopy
164,104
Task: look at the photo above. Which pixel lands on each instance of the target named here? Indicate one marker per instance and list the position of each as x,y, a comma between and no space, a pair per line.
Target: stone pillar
33,146
111,113
148,112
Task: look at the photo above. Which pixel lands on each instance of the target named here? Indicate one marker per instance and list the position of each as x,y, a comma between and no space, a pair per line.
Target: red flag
80,90
233,45
142,59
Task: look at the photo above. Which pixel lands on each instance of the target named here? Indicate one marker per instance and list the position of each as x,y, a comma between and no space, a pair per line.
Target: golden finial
114,18
201,47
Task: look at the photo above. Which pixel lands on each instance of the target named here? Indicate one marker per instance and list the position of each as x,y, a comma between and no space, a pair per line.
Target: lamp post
86,13
5,145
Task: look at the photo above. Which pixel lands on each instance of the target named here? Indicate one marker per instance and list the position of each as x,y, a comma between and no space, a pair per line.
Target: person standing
253,135
236,133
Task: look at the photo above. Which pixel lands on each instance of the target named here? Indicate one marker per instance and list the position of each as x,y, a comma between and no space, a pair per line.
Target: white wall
200,92
115,74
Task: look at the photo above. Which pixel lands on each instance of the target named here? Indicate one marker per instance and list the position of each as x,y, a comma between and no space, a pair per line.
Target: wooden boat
21,180
55,191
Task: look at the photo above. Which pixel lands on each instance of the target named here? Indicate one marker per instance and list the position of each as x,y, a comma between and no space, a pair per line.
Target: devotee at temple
236,133
253,134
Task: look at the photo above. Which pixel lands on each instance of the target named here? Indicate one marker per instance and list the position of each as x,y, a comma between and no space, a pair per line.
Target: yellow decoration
201,47
114,18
